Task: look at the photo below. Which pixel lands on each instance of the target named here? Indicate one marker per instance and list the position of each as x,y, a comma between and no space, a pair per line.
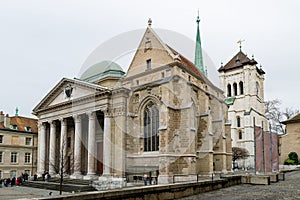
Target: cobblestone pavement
10,193
288,189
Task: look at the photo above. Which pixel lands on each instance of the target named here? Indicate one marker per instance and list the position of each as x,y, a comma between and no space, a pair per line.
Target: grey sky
44,41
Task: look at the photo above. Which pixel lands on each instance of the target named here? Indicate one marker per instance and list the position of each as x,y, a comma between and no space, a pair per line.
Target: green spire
198,50
17,112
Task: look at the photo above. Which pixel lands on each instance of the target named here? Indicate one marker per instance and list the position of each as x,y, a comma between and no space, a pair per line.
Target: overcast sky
43,41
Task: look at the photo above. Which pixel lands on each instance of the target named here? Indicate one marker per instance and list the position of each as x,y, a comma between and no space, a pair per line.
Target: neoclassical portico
68,150
76,135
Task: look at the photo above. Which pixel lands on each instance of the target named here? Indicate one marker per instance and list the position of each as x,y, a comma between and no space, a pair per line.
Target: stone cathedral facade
163,117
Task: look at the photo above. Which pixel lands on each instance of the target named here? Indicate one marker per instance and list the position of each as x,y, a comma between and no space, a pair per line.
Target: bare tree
276,115
239,153
61,167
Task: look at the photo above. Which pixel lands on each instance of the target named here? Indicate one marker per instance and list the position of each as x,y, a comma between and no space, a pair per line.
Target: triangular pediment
67,91
151,48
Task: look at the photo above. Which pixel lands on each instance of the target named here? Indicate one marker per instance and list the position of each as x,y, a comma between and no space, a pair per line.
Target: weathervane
240,43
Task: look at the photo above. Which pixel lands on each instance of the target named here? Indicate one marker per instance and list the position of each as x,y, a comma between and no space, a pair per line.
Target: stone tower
243,84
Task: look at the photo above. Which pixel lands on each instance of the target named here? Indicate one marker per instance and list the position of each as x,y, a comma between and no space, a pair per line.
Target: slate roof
294,119
238,61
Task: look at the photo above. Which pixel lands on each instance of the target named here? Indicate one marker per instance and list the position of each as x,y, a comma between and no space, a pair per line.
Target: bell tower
243,84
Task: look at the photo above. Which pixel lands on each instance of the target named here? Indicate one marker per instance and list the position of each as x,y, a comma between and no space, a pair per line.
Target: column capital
63,121
77,118
53,124
91,114
42,123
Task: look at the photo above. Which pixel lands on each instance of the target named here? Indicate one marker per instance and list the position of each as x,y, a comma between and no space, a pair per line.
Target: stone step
55,186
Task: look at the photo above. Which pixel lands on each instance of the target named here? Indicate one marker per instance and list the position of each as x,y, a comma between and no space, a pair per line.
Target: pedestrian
7,182
26,176
48,177
1,181
145,179
35,177
43,176
13,181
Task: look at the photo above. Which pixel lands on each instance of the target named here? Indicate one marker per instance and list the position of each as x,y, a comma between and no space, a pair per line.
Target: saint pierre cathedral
163,117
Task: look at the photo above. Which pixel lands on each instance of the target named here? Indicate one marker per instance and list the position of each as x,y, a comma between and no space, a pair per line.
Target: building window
13,173
1,176
28,141
235,89
148,64
13,126
137,82
151,124
27,157
14,157
163,74
257,88
1,156
27,128
1,139
228,90
240,135
241,85
238,121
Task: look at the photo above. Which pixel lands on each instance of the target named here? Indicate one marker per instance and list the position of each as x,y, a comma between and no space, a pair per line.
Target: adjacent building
290,141
18,145
243,82
163,117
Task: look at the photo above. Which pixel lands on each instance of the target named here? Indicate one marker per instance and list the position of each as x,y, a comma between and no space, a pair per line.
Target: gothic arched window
240,135
151,124
228,90
238,122
234,89
257,88
241,85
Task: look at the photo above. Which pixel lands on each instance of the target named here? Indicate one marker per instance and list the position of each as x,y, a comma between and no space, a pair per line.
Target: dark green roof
102,70
229,100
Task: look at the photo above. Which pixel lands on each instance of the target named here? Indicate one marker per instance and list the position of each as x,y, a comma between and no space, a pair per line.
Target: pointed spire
198,51
17,112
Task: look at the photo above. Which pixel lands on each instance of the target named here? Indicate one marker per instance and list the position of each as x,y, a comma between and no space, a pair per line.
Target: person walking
145,179
1,181
13,181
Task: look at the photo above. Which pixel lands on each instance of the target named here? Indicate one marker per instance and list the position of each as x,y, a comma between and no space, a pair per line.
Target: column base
76,176
90,177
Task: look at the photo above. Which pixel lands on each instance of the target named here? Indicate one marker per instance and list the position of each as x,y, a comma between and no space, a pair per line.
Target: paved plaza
288,189
10,193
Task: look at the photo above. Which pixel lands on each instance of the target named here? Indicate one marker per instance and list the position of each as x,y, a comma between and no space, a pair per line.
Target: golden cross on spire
240,43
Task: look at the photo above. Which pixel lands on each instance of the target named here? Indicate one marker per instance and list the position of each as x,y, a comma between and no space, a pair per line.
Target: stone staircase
69,185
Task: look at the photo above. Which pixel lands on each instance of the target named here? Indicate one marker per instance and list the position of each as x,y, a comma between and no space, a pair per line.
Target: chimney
6,121
1,117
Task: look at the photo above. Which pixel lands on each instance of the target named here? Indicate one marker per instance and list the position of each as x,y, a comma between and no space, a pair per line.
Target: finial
221,64
252,56
149,22
17,112
198,18
260,67
240,43
206,74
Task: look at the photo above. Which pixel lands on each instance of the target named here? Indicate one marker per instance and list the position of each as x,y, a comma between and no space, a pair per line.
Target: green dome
102,70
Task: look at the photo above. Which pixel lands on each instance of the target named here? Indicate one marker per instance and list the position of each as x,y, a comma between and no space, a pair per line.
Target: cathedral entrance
99,158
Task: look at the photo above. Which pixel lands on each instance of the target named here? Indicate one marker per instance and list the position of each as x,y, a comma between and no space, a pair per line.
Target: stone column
52,147
91,145
63,144
42,147
106,146
77,147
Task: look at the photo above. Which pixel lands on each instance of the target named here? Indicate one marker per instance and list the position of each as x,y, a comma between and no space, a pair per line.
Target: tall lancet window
151,124
228,90
234,89
241,87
